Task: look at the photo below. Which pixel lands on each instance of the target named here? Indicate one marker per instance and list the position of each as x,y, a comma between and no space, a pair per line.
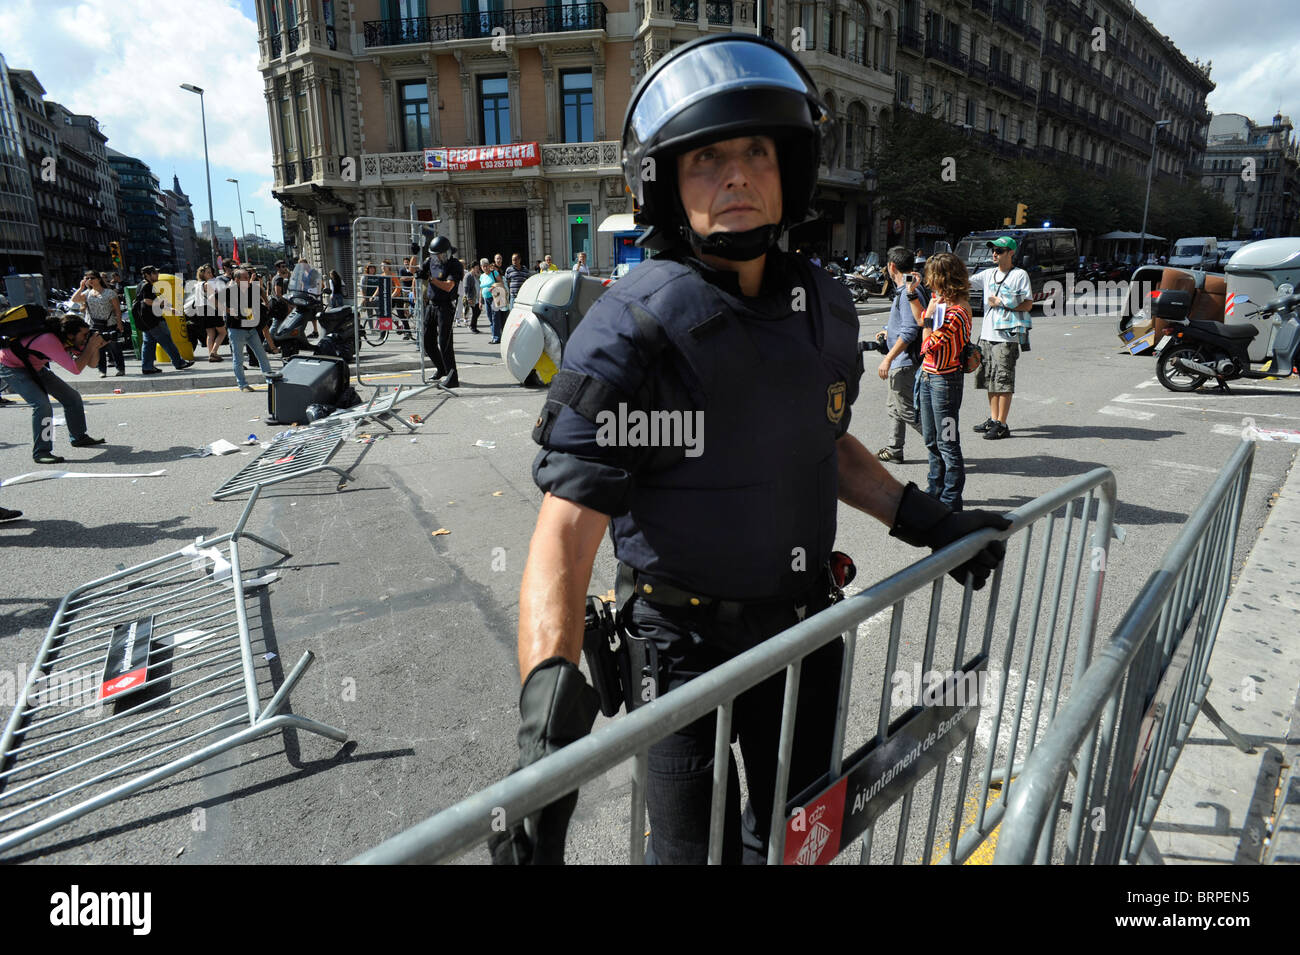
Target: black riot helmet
718,87
436,246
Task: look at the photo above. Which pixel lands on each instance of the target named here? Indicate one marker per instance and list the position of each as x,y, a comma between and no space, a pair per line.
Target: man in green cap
1008,299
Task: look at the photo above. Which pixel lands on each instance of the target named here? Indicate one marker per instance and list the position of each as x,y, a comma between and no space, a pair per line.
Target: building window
494,97
580,230
416,133
927,98
989,120
576,110
970,112
287,139
336,94
304,122
808,21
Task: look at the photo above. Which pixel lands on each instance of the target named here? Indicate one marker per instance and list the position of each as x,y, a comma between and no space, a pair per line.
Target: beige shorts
997,372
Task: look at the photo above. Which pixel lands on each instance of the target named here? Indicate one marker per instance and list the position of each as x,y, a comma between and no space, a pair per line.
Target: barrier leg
1233,737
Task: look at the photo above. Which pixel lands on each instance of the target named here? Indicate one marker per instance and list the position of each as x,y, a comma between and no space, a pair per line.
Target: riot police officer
723,535
444,274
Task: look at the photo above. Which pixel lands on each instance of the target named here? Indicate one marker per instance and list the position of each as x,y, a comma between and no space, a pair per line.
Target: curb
1284,840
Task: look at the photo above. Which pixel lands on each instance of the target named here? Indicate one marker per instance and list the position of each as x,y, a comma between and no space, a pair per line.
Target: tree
931,172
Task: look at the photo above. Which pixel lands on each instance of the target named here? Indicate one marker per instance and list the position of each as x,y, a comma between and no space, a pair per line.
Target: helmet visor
711,69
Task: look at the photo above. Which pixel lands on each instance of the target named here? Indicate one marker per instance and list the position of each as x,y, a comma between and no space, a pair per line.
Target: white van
1196,252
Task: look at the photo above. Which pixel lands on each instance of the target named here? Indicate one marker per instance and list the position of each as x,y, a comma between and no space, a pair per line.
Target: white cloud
123,61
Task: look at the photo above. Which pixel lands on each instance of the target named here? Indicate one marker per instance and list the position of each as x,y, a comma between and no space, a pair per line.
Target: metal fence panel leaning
910,738
1125,724
391,306
142,674
296,453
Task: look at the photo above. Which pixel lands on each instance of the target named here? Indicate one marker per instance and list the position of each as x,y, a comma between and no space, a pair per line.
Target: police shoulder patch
835,399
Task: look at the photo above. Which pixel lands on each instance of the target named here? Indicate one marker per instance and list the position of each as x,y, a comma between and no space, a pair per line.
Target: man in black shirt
148,314
444,274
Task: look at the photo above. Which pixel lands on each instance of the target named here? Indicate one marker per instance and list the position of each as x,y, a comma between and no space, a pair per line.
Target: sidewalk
1220,803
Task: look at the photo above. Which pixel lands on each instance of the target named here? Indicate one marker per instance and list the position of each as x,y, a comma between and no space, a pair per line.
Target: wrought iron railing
277,45
718,12
948,54
688,11
528,21
911,39
293,38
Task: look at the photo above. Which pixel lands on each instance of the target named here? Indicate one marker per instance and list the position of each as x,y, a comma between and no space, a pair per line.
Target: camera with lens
875,344
109,334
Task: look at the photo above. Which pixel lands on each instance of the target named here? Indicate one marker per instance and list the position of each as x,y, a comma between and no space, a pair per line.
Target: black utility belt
660,593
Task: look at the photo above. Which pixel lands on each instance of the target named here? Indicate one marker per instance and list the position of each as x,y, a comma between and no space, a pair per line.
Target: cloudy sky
123,61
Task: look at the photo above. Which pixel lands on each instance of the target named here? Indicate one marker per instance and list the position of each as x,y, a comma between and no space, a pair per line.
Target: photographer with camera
25,369
901,343
105,313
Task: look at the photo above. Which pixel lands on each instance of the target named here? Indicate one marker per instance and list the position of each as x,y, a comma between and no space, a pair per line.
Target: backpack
19,325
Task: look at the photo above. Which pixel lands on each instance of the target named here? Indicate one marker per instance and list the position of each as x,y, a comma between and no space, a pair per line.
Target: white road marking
1127,399
1227,429
1153,383
1187,467
1127,413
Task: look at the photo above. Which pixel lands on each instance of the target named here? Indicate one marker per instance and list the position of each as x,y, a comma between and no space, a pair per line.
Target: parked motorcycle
290,333
1199,351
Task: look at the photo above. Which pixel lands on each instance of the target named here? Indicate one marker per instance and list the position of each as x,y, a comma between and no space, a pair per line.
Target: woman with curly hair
945,330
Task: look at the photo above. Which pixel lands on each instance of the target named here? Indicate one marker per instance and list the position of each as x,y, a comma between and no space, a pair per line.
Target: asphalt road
413,630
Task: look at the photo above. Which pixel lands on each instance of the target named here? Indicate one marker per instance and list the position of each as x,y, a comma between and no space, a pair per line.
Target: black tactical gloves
923,521
556,707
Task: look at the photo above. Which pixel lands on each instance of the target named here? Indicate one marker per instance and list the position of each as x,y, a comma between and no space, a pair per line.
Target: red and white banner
511,156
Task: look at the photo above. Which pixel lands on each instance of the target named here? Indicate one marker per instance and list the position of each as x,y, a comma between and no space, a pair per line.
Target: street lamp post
212,242
256,228
1142,240
240,202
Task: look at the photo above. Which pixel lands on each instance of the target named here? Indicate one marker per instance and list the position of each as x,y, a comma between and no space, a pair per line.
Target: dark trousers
474,314
111,349
938,400
439,319
680,781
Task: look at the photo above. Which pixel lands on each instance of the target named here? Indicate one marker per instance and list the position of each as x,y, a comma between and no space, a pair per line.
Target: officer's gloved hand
923,521
556,707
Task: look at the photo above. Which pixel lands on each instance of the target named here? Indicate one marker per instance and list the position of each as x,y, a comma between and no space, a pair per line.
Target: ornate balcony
909,39
599,158
528,21
277,45
687,11
293,39
982,6
938,50
718,12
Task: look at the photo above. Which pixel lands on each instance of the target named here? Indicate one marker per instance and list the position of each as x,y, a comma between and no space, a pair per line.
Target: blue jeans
158,335
21,382
938,402
247,337
498,322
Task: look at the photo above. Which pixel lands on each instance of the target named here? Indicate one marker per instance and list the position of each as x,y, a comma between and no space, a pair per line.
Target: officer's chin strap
736,246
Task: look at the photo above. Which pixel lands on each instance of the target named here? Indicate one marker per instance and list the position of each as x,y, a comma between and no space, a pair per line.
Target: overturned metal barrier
903,764
382,404
143,673
1130,714
297,453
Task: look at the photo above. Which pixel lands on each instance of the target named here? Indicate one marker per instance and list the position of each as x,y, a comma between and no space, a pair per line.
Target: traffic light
115,251
1021,211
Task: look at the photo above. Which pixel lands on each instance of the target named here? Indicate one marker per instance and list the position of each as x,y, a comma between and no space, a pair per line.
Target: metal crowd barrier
905,760
382,404
138,670
297,453
1130,714
374,240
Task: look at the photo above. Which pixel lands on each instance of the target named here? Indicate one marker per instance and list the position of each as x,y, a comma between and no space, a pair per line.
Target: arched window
855,139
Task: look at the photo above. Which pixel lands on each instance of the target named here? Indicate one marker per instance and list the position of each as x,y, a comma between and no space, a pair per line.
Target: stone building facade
1255,169
356,92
